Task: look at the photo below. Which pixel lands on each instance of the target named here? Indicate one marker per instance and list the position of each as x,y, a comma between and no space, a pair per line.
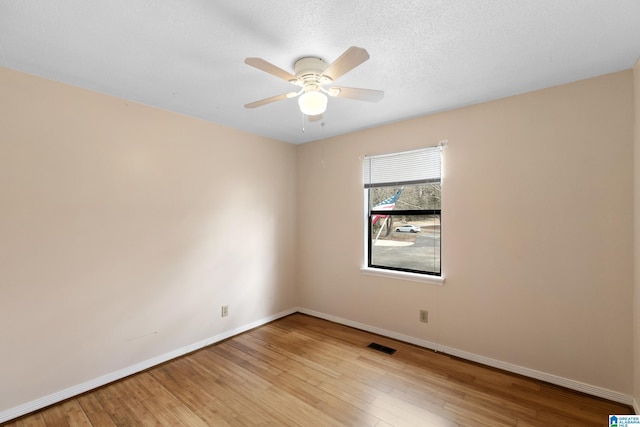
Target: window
403,195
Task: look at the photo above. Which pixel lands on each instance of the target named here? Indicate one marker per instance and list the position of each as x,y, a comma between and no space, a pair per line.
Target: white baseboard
636,407
67,393
532,373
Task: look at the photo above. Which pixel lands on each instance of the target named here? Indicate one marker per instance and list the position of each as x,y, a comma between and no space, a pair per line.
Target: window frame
433,277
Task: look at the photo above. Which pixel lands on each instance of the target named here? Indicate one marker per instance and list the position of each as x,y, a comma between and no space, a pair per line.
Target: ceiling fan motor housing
310,69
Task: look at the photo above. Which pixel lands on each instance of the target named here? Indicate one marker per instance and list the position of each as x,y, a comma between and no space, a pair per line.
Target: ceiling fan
312,75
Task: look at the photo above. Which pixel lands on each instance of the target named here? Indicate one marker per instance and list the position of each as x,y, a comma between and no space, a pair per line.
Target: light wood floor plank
304,371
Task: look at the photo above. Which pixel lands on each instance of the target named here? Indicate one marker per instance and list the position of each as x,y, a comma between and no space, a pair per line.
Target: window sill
403,275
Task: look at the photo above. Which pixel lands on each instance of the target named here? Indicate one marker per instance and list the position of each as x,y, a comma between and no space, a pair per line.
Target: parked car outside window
408,229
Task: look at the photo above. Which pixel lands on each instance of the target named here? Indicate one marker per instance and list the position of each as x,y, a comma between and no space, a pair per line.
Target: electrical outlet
424,316
224,312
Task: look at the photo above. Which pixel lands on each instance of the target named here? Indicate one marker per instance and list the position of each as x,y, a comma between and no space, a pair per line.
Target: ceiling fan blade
267,100
350,59
268,67
369,95
315,118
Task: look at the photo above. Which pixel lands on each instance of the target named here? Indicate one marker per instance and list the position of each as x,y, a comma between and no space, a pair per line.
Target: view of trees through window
416,196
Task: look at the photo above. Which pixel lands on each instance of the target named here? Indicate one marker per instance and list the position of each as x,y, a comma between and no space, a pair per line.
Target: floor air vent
382,348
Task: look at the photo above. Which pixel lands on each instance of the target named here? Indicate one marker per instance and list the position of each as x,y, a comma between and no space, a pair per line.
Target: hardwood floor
304,371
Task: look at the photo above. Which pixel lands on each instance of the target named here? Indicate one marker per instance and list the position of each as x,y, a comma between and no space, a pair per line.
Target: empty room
321,213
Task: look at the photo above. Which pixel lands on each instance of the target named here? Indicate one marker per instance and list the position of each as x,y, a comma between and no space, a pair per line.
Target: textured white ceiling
187,55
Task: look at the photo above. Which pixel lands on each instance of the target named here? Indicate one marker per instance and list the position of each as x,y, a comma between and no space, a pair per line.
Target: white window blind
407,167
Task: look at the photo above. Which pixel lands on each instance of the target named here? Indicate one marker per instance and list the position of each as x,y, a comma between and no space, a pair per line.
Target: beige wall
537,231
636,289
124,228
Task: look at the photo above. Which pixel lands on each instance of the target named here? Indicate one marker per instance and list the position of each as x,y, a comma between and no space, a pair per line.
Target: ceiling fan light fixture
312,103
